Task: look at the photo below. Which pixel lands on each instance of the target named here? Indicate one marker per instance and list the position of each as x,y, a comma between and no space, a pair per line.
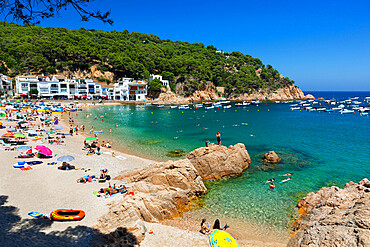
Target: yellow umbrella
220,238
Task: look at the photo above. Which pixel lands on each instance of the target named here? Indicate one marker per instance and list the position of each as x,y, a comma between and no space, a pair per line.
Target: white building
60,87
159,77
6,85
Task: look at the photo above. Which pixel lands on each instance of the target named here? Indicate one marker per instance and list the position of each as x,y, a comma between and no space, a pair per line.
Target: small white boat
184,107
224,102
363,109
209,107
294,105
295,108
198,105
173,106
255,102
346,111
320,109
217,105
160,106
227,106
246,103
306,105
277,102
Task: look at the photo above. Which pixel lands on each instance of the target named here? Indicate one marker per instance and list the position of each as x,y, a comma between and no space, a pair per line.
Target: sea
320,148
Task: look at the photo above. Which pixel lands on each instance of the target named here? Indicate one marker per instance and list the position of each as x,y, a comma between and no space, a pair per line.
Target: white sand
45,188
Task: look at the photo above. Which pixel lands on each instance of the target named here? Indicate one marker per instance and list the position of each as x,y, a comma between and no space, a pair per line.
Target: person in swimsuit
218,136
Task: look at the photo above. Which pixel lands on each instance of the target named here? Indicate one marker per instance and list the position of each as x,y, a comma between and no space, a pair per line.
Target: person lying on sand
217,225
85,179
112,190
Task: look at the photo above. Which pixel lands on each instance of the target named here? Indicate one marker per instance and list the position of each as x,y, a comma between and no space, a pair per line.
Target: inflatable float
102,131
67,214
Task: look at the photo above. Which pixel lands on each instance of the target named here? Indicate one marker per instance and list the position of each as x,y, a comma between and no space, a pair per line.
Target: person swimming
270,180
287,174
272,185
286,180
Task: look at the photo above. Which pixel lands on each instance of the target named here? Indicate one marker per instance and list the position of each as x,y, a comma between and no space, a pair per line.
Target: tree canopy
29,48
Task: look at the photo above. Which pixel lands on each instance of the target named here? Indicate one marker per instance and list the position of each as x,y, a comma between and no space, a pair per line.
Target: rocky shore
167,189
334,217
289,92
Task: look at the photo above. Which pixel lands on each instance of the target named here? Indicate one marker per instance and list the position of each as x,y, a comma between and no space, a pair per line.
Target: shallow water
321,149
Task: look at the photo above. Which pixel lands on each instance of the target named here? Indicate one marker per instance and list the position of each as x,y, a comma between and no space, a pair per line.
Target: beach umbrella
19,135
44,150
66,158
220,238
90,138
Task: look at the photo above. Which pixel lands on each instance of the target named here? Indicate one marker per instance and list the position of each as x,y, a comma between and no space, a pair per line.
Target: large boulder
219,161
271,158
162,191
334,217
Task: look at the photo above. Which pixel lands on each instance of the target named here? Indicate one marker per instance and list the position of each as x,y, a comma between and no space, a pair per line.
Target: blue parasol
65,158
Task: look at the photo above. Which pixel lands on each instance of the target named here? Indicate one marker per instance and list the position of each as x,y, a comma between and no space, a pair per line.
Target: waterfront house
159,77
6,85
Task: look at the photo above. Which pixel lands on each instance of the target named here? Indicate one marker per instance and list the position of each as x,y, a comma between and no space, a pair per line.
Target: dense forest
33,49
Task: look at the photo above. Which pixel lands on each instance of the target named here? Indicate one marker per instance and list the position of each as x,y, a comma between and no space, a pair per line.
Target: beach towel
35,214
106,195
26,168
120,157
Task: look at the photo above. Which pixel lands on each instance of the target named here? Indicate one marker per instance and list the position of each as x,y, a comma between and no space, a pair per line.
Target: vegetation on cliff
29,48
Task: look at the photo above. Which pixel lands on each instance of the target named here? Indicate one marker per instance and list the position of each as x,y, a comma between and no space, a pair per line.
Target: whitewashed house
159,77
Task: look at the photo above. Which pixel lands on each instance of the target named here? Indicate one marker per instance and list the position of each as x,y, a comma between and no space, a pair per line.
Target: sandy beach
45,188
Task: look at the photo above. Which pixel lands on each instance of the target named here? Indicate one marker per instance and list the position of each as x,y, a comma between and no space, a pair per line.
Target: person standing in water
218,136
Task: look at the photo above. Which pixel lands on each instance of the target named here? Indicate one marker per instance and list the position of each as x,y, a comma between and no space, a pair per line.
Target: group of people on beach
205,229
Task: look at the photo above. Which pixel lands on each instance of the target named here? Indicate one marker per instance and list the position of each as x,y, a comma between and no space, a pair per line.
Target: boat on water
184,107
198,105
294,105
363,109
295,108
224,102
320,109
160,106
239,105
246,103
329,110
208,105
255,102
346,111
218,105
173,106
227,106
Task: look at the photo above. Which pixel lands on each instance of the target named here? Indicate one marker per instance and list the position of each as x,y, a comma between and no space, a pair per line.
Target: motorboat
224,102
227,106
160,106
346,111
255,102
198,105
295,108
173,106
184,107
208,105
246,103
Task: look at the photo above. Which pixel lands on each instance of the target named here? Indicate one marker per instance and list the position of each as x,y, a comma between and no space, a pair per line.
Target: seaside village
61,87
63,178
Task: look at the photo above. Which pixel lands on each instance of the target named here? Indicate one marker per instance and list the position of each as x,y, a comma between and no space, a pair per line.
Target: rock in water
220,161
271,158
334,217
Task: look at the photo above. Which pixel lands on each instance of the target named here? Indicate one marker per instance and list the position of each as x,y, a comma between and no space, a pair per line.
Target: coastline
247,234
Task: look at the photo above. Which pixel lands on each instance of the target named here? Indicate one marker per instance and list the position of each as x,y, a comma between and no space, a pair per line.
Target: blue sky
322,45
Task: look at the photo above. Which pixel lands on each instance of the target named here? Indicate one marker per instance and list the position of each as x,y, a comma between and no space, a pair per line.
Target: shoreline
192,217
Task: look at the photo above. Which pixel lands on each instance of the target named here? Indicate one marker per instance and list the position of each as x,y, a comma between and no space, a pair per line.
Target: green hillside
25,49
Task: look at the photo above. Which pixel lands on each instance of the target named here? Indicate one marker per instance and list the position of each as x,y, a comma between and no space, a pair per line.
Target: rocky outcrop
204,96
289,92
271,158
160,192
220,161
170,98
334,217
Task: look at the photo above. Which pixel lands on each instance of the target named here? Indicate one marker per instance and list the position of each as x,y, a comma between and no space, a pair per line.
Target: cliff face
290,92
334,217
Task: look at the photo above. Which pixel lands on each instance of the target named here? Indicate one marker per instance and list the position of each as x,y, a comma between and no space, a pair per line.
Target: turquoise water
321,149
